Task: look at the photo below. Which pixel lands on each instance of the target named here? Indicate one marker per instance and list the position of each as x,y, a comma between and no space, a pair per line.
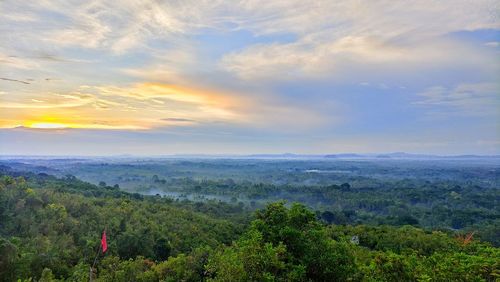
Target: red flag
104,244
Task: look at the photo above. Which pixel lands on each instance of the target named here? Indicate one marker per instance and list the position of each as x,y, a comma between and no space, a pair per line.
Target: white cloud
382,17
329,35
324,38
17,62
336,35
169,65
121,25
492,44
465,99
311,57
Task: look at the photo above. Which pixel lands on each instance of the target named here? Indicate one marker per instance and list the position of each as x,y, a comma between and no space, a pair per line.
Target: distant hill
335,156
395,155
403,155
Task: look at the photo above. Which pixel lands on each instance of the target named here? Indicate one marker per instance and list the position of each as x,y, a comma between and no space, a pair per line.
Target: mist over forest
249,141
254,218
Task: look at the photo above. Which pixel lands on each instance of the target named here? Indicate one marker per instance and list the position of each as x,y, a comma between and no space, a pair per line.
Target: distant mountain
475,156
346,156
395,155
281,156
403,155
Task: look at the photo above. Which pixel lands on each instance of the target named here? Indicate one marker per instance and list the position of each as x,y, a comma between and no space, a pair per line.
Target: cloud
143,106
116,26
137,106
46,101
17,62
169,65
212,101
178,119
121,26
328,35
311,57
275,67
14,80
480,99
335,37
319,56
492,44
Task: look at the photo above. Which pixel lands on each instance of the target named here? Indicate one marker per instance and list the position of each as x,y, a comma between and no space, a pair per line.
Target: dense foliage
455,194
50,231
434,205
56,223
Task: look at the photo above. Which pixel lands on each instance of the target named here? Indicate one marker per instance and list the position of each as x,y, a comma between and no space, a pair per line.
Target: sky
240,77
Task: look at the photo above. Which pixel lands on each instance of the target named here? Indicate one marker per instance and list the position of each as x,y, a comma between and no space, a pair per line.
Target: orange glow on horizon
140,106
47,125
53,125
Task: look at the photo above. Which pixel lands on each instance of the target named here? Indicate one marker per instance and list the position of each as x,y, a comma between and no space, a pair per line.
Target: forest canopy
50,231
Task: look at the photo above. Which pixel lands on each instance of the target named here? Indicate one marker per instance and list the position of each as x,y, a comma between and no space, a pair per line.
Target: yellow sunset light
47,125
56,125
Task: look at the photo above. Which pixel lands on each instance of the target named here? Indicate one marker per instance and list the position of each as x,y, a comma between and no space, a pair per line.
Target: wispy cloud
139,106
17,62
492,44
466,99
14,80
123,25
178,119
338,36
275,67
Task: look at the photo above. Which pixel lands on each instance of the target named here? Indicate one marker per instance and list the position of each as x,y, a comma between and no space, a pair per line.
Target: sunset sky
239,77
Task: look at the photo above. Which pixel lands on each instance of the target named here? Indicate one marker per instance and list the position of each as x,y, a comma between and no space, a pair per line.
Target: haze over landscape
252,140
219,77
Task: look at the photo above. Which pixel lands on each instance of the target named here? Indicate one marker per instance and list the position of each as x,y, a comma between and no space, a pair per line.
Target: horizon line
264,155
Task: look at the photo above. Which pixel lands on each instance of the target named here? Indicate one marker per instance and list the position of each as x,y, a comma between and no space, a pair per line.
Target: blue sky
173,77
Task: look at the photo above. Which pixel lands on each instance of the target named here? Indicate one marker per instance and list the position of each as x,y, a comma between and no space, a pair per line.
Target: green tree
284,244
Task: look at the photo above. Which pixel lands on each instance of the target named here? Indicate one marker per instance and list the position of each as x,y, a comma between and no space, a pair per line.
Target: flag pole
95,259
96,255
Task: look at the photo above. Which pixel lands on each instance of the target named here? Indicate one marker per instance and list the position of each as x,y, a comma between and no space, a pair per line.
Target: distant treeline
432,205
50,230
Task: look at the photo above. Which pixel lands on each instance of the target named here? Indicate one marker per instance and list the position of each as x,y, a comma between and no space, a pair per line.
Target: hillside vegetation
50,231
